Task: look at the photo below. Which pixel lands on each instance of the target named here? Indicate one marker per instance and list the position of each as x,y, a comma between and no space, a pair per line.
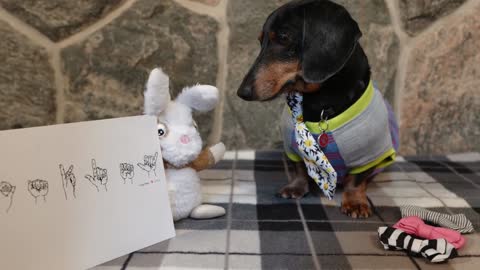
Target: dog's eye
283,38
162,130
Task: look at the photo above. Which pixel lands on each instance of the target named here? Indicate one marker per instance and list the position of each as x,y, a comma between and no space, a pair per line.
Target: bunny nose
184,139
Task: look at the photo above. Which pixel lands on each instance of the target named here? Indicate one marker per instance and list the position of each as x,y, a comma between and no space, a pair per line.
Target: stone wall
67,61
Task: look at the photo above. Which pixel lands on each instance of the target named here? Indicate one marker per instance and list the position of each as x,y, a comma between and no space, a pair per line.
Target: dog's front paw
355,205
293,190
356,210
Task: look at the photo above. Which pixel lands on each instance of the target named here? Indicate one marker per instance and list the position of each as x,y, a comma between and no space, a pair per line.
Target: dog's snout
245,92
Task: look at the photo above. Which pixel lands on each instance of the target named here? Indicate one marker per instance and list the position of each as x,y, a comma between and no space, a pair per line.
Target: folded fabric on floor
458,222
436,251
416,226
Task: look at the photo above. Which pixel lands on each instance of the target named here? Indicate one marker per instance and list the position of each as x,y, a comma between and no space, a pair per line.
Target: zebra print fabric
436,251
458,222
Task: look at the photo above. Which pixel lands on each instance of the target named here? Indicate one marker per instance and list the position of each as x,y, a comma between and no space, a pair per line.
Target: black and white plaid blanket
262,231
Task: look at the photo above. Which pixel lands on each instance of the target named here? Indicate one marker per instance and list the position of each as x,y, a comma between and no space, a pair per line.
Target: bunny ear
199,97
157,95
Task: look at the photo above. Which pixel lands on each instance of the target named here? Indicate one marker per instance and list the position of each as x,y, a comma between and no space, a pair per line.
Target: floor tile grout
127,261
229,213
466,179
315,260
445,206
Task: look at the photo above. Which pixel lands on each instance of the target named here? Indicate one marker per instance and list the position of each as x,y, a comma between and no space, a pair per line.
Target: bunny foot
206,211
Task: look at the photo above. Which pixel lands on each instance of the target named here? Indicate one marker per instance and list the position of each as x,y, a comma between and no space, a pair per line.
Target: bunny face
179,139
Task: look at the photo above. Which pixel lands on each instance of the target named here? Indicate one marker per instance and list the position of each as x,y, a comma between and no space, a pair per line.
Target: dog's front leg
354,197
298,186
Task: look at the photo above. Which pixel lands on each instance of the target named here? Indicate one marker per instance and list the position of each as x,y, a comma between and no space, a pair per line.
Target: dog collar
353,111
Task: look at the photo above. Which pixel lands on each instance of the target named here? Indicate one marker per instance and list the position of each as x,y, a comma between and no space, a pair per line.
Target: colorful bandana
318,166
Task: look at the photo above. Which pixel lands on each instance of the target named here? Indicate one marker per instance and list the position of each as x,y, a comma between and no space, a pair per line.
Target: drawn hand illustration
127,172
38,188
99,177
69,182
6,195
149,163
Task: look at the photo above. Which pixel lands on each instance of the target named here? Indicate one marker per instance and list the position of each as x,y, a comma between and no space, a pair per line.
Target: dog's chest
355,141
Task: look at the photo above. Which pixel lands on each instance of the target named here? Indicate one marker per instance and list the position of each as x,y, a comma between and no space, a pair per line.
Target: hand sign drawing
127,172
99,178
6,195
38,188
149,163
69,182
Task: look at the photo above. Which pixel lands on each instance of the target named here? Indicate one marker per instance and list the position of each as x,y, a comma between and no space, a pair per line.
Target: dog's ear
330,37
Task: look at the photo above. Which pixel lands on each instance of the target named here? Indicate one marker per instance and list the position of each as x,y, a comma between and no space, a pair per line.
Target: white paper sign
77,195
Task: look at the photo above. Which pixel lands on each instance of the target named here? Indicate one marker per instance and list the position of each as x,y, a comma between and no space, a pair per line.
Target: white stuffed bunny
181,144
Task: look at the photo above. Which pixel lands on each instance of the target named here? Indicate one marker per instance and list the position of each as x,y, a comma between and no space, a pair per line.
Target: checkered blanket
262,231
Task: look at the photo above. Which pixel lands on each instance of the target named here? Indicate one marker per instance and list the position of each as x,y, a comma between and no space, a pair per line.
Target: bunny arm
206,159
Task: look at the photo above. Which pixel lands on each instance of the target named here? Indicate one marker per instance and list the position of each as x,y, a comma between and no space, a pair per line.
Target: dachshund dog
312,47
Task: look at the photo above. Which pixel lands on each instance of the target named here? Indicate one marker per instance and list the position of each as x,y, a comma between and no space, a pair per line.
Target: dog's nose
245,93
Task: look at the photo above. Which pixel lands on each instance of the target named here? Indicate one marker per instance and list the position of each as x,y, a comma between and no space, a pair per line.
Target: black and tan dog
311,46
